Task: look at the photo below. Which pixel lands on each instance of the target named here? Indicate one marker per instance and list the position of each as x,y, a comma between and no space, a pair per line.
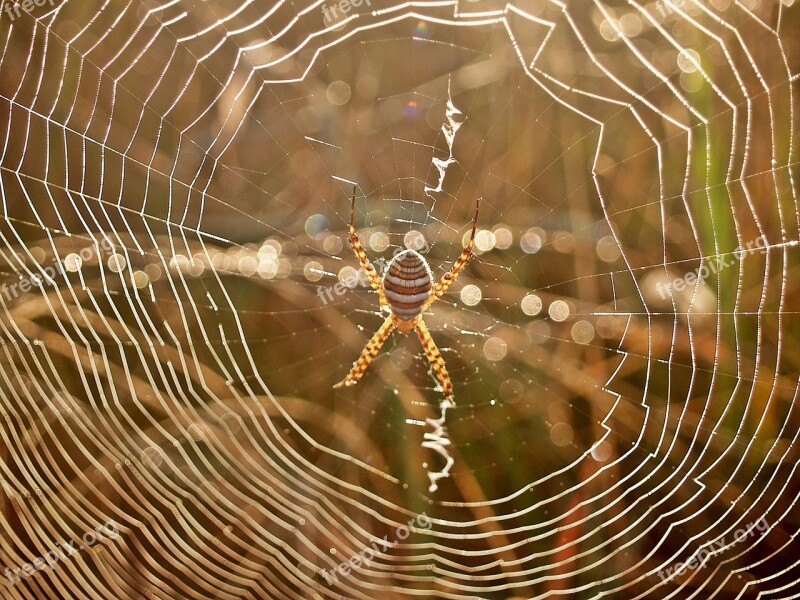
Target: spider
405,292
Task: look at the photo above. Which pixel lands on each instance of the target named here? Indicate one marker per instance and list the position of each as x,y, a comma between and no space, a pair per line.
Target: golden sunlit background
179,297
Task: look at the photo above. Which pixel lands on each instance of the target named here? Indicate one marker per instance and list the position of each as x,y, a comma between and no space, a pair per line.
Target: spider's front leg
448,278
434,358
368,353
361,256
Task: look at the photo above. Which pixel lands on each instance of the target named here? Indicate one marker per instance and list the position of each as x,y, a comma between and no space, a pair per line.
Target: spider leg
448,278
435,358
368,353
358,250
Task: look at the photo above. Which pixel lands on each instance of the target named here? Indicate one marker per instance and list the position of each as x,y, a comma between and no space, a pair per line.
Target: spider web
175,181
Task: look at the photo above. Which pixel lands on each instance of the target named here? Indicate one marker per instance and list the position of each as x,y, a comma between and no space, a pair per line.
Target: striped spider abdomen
407,284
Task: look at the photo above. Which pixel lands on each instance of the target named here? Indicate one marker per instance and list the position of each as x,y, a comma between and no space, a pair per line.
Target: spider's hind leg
435,358
368,353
